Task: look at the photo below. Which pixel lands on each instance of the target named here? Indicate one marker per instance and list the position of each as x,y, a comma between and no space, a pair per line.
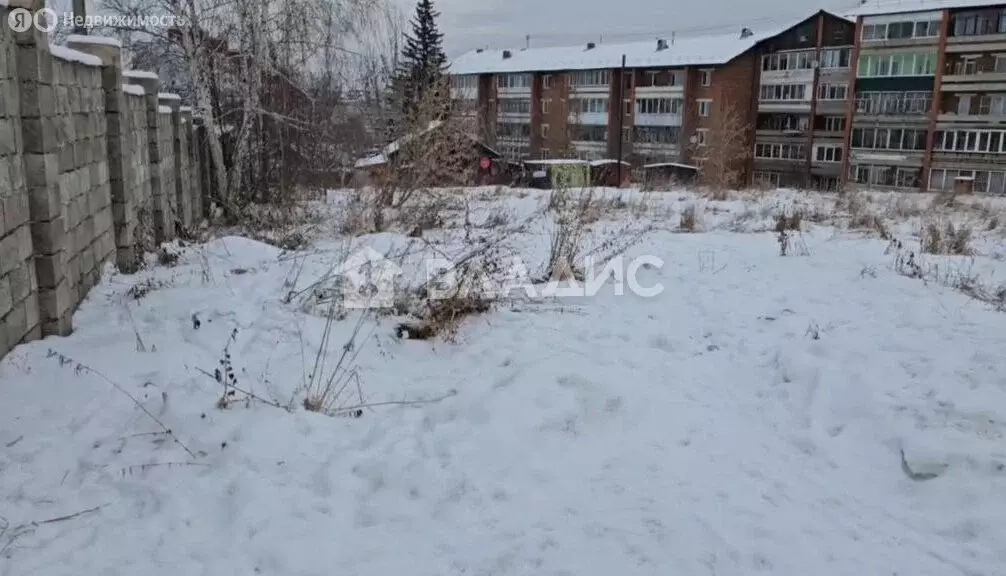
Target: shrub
689,220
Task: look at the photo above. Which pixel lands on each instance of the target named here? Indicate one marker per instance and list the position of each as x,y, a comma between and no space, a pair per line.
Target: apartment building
930,105
802,99
901,95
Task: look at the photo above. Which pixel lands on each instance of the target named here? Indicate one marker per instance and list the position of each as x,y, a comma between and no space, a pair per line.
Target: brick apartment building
908,95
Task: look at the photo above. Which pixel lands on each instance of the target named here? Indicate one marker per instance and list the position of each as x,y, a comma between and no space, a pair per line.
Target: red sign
486,163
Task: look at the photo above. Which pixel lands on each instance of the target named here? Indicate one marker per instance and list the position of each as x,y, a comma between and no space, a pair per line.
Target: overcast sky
469,24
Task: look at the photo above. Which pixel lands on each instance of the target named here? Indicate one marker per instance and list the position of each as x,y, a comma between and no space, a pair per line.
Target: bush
689,220
946,239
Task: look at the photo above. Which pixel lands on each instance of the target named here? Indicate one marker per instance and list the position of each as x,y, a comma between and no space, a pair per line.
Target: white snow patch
100,40
140,74
164,109
71,55
749,420
134,89
168,96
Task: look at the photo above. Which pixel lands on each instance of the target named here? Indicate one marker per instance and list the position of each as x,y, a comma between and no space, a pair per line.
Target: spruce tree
423,65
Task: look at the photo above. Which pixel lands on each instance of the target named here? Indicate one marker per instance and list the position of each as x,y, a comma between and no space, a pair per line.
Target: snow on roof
71,55
375,160
606,162
557,162
168,96
687,51
395,146
669,165
164,109
185,109
878,7
134,89
87,39
140,74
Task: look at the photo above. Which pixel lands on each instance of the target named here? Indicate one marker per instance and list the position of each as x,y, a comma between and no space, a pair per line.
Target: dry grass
944,237
689,219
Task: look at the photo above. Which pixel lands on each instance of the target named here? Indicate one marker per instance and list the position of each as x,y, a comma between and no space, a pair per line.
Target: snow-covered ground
749,419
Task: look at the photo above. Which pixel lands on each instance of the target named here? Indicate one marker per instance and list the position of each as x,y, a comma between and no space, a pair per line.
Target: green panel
570,176
896,84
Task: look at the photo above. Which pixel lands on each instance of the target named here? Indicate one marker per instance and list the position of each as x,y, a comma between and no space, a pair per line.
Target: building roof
687,51
879,7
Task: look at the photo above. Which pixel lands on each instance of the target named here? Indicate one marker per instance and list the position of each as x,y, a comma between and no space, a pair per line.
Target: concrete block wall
19,316
92,171
85,216
137,221
168,196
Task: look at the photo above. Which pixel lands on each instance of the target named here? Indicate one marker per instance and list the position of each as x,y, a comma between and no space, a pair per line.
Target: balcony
588,118
784,106
974,72
657,120
895,106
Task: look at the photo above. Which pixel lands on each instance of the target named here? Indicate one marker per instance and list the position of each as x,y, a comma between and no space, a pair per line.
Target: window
835,58
903,30
590,78
544,131
1000,65
980,23
705,108
780,151
466,82
701,137
830,123
706,77
889,139
832,91
515,105
627,134
546,105
896,64
657,134
885,176
589,133
513,81
783,122
767,178
546,81
777,92
790,61
893,103
513,130
981,141
588,106
828,153
658,105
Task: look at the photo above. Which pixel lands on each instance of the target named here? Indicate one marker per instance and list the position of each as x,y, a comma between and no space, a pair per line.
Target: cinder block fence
96,166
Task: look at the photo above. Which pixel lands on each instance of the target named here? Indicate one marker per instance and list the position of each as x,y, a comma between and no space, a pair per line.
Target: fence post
41,163
161,208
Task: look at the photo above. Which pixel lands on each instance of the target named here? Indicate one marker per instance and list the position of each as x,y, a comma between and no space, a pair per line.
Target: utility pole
79,14
621,117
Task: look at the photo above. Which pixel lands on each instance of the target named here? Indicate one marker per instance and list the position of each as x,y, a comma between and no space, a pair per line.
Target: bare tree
261,74
722,151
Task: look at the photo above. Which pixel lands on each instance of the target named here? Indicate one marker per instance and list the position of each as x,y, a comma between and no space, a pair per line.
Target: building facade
930,107
897,95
